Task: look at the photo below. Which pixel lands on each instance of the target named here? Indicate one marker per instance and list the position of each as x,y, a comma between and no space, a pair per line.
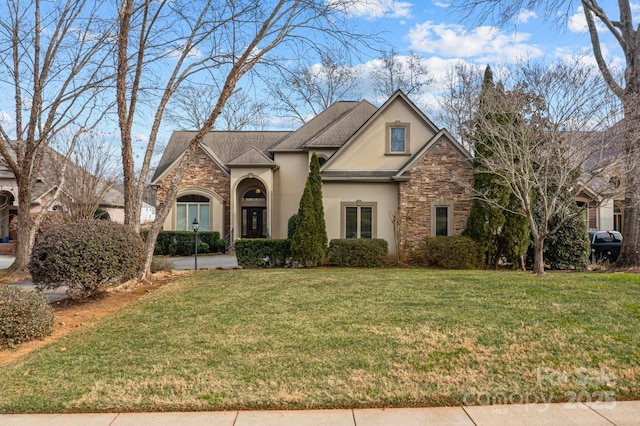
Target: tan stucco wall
116,214
367,150
384,194
289,181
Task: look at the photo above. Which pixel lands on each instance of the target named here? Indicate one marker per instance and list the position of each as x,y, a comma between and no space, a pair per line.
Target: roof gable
366,149
252,158
441,135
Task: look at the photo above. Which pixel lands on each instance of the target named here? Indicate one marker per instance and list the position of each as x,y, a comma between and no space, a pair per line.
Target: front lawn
345,338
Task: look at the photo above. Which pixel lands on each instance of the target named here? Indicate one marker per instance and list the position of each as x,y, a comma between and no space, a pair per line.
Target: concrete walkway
596,414
181,264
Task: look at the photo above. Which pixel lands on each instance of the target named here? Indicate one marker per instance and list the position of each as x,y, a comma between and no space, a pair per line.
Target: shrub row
448,252
263,253
271,253
362,252
180,243
24,315
86,257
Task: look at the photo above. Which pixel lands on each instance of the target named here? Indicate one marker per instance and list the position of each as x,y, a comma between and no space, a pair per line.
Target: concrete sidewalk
606,414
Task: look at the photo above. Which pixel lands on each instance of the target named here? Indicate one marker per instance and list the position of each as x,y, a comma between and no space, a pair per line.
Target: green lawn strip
324,338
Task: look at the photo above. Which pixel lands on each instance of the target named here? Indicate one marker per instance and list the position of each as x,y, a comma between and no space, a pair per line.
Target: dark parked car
605,245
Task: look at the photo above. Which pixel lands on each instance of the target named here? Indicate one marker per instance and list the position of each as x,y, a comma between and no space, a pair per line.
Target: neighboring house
45,187
147,213
603,196
375,162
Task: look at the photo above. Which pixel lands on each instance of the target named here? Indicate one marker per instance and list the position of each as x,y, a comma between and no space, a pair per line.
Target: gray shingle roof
49,178
329,129
227,145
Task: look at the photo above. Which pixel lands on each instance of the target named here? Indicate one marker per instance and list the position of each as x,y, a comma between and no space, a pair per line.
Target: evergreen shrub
291,225
309,241
448,252
263,253
24,315
568,248
360,252
86,257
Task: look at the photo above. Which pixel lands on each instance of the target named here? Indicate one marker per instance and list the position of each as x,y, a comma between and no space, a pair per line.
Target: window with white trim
189,207
359,220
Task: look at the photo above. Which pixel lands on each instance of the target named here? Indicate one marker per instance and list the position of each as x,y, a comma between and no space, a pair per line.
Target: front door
253,222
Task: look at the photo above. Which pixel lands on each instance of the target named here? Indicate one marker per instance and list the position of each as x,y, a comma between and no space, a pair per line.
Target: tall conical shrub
309,242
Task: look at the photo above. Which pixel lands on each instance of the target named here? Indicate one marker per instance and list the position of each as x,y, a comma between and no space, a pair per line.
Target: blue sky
443,37
438,32
435,31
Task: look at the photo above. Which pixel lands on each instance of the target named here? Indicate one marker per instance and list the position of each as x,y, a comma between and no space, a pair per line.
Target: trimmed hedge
86,257
448,252
24,315
180,243
361,252
263,253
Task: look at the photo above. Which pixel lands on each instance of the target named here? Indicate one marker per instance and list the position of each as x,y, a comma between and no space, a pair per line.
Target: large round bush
86,257
24,315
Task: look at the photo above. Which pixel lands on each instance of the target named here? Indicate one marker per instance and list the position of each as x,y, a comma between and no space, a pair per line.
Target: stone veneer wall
207,175
442,175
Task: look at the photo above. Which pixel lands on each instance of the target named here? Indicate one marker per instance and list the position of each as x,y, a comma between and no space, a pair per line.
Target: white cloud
577,23
443,5
5,118
373,9
483,44
141,138
194,52
524,16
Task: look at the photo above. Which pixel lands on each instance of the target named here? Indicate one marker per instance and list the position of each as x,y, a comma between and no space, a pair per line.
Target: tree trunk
630,251
25,235
150,246
538,261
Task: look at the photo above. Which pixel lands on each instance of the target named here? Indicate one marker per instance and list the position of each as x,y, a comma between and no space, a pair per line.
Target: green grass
344,338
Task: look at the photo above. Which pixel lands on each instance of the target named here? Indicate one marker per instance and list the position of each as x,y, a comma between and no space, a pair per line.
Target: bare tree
407,73
52,57
305,91
88,177
220,39
458,102
627,35
191,104
545,143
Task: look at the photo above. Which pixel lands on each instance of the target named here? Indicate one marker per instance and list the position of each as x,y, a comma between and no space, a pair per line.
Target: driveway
181,263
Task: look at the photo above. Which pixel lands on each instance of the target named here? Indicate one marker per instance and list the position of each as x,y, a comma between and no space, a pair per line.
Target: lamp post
196,225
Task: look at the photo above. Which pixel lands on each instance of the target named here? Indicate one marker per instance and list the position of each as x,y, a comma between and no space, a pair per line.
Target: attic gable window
397,138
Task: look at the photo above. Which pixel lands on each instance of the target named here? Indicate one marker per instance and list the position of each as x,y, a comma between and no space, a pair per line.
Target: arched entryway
252,203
